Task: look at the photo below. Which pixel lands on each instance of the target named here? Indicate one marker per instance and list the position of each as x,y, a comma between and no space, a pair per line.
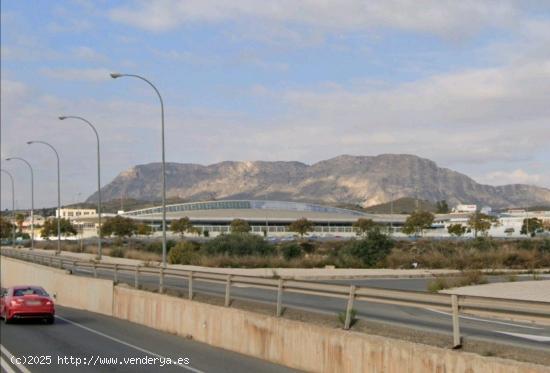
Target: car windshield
29,291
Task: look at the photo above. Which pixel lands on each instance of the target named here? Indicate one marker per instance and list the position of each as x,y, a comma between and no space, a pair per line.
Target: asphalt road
88,342
504,332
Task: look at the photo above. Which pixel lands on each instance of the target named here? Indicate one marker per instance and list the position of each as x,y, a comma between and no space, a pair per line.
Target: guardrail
515,309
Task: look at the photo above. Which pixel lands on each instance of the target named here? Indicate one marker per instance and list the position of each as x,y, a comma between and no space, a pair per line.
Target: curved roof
249,210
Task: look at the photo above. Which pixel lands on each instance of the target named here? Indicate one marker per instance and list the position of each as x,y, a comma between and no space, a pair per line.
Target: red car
26,302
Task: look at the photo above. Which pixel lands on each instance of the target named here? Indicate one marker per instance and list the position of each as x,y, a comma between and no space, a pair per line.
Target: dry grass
467,278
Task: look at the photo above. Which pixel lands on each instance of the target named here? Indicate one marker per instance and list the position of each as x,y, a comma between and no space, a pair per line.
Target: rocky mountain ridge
364,180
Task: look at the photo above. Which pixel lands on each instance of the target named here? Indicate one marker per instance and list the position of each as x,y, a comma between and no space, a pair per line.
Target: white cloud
75,74
88,54
517,176
453,19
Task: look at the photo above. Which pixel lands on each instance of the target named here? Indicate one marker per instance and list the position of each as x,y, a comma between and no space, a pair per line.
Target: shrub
291,251
238,244
372,249
342,317
471,278
544,246
307,246
185,252
117,252
438,284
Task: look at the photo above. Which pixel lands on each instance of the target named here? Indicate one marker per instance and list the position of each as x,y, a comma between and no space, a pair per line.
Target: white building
73,214
465,208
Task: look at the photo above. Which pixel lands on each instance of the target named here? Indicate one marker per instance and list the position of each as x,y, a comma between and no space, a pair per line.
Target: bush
156,246
307,246
370,250
342,317
117,252
185,252
438,284
544,246
238,244
291,251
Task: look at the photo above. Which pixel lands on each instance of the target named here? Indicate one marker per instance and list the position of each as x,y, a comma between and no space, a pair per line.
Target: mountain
363,180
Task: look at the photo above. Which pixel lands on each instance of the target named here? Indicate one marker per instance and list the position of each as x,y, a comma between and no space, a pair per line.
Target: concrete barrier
295,344
84,293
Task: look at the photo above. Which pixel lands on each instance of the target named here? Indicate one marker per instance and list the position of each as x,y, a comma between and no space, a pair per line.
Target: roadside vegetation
467,278
372,249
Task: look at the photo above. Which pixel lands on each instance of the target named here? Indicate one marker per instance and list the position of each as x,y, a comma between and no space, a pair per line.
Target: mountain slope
347,179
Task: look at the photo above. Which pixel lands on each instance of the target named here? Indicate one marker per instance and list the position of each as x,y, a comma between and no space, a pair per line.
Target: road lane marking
487,320
190,368
537,338
9,355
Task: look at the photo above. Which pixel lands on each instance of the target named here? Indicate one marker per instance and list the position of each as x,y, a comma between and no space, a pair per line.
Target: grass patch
465,279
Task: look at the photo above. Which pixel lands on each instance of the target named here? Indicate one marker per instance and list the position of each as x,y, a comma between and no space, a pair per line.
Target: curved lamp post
32,195
58,192
98,178
118,75
12,205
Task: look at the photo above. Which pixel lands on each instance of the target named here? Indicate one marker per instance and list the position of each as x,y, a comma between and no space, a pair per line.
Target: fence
515,309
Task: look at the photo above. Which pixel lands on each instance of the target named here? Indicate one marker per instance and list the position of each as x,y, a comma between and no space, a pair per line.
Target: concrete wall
85,293
292,343
297,344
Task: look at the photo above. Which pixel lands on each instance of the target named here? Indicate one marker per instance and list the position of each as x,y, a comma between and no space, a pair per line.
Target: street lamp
118,75
32,195
12,206
98,178
58,192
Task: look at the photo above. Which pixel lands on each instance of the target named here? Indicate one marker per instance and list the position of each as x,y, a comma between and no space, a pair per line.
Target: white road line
538,338
126,343
486,320
9,355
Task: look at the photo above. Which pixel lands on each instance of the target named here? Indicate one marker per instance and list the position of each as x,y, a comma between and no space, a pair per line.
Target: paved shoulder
90,343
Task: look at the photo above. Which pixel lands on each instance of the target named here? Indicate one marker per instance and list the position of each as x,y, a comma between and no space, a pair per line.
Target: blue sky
466,84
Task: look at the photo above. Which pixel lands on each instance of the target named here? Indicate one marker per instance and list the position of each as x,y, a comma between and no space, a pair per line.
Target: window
29,291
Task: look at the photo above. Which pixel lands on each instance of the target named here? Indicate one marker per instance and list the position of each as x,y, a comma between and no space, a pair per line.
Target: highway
499,331
88,342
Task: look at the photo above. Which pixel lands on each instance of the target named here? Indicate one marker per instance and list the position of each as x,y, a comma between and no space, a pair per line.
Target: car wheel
6,320
50,320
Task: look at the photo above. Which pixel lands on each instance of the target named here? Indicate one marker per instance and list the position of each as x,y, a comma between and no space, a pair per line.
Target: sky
463,83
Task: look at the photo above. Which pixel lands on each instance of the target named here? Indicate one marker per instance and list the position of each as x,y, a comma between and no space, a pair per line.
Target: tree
119,226
442,207
143,229
417,222
456,230
180,226
301,226
362,226
531,226
239,226
479,222
19,219
49,228
6,228
194,230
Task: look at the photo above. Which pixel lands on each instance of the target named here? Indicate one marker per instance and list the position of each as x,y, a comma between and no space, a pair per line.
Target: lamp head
62,117
116,75
29,142
9,159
